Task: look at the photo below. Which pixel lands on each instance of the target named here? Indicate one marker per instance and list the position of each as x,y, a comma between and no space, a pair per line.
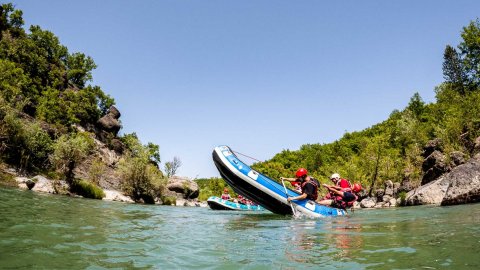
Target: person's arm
288,179
301,197
333,189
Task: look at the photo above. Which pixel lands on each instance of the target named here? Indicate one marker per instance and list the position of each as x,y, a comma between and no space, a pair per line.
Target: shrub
87,189
169,200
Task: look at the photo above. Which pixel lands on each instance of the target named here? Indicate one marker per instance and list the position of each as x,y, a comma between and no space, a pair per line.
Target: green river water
39,231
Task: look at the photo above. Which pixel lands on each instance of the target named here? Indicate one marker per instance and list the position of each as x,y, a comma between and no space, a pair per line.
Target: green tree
453,70
69,151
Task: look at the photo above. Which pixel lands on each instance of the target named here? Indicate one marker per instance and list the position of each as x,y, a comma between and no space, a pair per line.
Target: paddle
291,205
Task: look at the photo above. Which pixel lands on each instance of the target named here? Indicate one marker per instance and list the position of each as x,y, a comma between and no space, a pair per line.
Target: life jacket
340,203
226,196
315,183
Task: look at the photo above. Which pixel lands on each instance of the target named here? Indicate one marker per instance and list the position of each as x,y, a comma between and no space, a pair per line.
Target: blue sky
259,76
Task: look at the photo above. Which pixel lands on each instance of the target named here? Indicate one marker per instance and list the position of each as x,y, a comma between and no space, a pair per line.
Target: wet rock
30,184
113,195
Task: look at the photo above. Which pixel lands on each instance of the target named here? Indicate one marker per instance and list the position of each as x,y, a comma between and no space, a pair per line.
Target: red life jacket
314,182
340,203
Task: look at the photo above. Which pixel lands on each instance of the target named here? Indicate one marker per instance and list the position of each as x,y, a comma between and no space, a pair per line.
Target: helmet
335,176
356,187
301,172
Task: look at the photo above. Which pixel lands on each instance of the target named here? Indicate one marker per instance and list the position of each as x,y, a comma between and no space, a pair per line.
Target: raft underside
246,189
217,206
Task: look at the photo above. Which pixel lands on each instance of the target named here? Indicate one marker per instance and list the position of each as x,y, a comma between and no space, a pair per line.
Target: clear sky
259,76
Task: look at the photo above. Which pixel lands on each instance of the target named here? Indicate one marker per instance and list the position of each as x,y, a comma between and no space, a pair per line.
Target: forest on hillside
49,115
392,149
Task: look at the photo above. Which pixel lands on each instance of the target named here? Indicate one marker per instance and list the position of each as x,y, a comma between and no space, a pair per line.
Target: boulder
388,188
431,193
113,195
110,122
379,194
393,202
432,146
461,185
368,202
386,198
457,158
30,184
396,187
464,183
188,188
476,147
434,166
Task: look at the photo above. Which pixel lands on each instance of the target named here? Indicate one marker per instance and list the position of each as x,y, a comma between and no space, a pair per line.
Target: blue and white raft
263,190
217,203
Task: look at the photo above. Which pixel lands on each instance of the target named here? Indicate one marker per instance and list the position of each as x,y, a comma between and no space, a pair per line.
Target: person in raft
226,195
339,182
342,198
308,184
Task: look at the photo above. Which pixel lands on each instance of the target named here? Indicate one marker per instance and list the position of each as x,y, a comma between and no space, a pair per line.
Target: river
40,231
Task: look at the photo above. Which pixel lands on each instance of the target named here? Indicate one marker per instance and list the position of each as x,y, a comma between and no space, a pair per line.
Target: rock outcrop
461,185
187,188
110,122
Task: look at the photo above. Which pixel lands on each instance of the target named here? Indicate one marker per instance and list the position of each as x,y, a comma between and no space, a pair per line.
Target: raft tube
263,190
217,203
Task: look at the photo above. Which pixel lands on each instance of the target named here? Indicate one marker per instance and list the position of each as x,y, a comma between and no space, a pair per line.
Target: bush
169,200
87,189
402,196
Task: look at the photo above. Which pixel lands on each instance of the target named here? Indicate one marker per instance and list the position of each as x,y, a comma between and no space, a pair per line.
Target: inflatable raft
263,190
217,203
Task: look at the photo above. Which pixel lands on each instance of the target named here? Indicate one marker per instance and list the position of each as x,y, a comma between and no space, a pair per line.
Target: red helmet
356,187
301,172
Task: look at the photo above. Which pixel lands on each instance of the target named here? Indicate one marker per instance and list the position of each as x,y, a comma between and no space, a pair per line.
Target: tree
171,167
470,50
453,70
69,151
80,69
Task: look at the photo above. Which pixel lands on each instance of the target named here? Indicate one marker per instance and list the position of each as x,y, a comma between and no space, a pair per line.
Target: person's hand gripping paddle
286,193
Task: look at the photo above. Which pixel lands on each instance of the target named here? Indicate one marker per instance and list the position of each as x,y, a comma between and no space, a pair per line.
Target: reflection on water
46,232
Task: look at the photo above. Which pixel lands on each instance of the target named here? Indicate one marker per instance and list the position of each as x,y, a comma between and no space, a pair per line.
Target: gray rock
431,146
386,198
396,187
461,185
464,183
109,123
457,158
476,147
114,112
184,186
379,194
434,166
393,202
388,188
368,203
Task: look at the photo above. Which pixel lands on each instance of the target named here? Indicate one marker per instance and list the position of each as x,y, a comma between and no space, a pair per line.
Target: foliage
212,187
171,167
392,150
69,151
87,189
97,169
169,200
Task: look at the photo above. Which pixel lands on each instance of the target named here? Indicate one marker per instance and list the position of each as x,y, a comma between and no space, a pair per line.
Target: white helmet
335,176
